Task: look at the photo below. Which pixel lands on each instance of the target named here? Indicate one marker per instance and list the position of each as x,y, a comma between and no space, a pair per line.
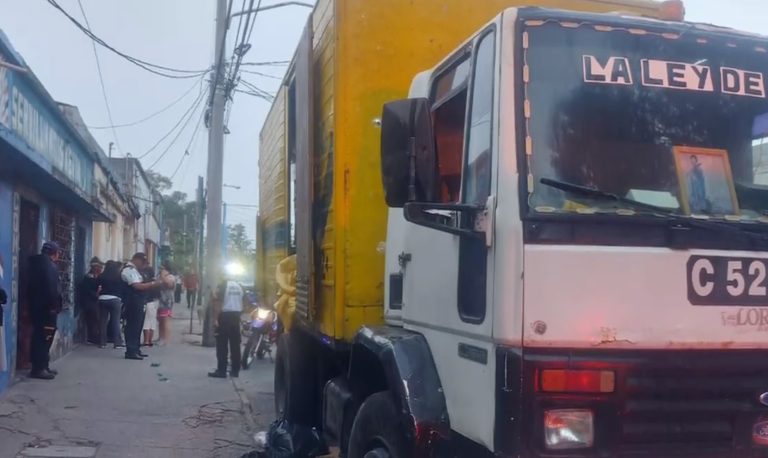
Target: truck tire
376,432
293,382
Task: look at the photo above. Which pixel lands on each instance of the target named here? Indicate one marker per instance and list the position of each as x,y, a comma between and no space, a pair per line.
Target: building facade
47,192
114,239
148,233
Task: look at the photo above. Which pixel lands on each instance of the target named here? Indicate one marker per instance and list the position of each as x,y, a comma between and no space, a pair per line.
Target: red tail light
577,381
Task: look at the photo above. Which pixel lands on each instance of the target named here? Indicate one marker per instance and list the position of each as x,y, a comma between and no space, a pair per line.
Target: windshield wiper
679,221
603,195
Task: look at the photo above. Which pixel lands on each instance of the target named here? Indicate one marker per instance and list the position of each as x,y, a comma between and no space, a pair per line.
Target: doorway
29,229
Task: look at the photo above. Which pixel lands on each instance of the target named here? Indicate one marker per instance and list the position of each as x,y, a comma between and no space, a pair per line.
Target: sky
179,34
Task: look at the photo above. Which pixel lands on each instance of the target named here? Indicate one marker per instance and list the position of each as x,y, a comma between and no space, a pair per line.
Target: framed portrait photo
706,181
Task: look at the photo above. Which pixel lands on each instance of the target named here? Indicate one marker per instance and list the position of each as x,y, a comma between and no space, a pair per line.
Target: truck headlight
568,429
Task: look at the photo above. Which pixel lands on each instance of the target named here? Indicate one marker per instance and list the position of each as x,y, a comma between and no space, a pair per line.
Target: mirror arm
417,213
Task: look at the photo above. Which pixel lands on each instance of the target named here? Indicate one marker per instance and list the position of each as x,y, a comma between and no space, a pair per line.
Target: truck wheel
376,432
281,376
293,382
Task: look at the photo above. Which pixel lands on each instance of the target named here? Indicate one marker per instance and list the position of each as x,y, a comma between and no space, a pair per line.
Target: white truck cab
578,227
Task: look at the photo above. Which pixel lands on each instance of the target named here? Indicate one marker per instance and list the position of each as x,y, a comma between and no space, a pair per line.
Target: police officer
134,300
227,307
45,303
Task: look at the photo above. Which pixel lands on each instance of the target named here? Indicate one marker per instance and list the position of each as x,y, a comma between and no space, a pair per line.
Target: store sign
22,111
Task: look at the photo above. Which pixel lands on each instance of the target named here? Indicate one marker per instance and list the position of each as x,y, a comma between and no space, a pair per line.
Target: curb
247,409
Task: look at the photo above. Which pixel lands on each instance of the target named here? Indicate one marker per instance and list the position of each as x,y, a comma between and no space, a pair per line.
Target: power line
168,134
239,23
173,141
240,49
252,88
274,63
250,20
147,118
148,66
255,94
189,145
253,22
101,79
265,75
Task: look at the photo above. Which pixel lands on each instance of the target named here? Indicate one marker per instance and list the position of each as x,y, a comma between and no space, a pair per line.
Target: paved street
103,406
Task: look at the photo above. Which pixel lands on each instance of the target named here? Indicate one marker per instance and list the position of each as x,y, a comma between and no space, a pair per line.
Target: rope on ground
209,414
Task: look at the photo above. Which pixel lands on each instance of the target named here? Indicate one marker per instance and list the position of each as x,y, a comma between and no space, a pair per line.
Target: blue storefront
46,193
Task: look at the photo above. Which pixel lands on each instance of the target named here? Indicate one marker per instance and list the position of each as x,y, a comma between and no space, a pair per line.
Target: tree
160,182
239,245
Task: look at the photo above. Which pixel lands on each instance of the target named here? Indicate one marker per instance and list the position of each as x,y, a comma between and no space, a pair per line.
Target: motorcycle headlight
262,314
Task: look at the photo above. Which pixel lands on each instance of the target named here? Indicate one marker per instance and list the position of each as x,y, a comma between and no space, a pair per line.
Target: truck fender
403,364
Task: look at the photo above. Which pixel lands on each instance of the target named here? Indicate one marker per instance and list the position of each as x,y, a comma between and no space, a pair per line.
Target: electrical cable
253,21
194,105
101,79
274,63
265,75
255,94
173,141
148,66
253,88
239,24
159,112
189,145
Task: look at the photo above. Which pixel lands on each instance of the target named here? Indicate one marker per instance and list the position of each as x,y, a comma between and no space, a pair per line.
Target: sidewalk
256,386
101,405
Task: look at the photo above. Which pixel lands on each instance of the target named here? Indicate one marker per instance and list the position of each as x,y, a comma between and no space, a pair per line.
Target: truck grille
710,410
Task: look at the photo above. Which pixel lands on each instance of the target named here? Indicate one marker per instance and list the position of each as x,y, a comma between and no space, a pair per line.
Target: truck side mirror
408,160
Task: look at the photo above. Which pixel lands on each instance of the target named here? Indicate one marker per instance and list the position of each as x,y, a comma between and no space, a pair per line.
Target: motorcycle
262,333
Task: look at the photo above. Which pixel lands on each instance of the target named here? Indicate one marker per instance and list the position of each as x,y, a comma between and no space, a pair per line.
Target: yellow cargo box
363,53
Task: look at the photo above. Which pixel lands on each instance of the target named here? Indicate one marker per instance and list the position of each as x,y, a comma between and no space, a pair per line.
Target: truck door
446,286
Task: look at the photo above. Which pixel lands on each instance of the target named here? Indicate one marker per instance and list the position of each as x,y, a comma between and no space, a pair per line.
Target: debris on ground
285,440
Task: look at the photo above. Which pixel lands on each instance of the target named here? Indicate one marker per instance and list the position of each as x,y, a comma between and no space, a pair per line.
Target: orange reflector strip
584,381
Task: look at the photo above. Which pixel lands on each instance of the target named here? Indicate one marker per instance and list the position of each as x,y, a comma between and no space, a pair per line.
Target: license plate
717,280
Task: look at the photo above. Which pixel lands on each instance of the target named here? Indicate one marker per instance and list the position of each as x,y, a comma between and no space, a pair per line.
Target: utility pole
215,170
197,261
224,232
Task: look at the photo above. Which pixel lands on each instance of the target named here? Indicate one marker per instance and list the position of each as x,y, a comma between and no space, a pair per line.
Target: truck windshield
673,120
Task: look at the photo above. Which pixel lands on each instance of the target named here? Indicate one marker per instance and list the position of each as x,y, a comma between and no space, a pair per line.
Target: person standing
110,305
134,300
45,303
177,289
167,299
150,310
89,290
191,285
228,301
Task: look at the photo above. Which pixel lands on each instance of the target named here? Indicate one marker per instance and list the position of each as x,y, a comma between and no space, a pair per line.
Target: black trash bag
285,440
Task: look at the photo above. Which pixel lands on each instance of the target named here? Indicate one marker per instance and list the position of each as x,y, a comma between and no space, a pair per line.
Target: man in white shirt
134,302
227,307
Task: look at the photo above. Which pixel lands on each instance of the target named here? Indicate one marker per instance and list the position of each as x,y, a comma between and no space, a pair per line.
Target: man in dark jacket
45,303
88,294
